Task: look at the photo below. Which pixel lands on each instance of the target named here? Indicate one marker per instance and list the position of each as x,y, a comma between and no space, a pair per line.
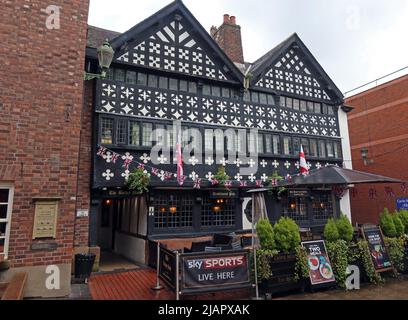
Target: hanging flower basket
138,181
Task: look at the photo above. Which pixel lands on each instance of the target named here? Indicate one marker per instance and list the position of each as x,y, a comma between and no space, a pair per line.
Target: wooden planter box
283,276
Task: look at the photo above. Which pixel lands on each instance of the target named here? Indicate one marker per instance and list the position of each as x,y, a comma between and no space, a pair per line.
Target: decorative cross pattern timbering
138,101
111,175
292,75
173,48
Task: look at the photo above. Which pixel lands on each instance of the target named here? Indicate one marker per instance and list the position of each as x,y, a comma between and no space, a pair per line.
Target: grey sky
355,41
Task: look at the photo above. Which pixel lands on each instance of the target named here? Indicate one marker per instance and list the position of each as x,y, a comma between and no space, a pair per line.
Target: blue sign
402,204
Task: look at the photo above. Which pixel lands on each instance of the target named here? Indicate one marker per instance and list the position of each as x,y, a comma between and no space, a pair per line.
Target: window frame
7,221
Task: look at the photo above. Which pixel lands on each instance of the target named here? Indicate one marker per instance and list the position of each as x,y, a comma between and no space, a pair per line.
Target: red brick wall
41,92
85,159
228,37
379,122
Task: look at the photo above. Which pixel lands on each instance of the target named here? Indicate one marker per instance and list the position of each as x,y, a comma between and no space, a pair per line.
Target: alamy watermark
53,20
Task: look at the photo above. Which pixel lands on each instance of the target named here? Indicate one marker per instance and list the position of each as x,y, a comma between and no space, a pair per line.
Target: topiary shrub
265,234
399,226
344,228
403,215
387,224
287,236
330,231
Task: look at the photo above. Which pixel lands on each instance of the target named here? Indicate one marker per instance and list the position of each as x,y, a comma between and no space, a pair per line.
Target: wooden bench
15,289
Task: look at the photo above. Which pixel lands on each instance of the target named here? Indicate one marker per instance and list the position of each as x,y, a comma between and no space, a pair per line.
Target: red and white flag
180,171
303,164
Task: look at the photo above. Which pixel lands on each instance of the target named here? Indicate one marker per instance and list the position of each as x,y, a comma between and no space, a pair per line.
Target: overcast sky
355,41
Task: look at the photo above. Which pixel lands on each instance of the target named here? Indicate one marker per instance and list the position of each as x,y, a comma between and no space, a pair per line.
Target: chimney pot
226,18
233,20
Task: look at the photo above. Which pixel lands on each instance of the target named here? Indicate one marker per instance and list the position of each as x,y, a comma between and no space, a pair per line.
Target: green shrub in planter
399,226
265,234
403,215
330,231
344,228
365,256
387,224
396,250
338,254
287,236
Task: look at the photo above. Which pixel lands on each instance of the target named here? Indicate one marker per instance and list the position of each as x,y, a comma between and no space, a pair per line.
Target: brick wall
379,123
41,93
85,166
228,37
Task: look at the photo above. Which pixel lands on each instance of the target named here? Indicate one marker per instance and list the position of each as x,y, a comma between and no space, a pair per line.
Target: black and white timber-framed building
168,68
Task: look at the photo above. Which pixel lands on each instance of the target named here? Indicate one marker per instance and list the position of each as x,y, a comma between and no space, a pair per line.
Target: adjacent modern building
378,136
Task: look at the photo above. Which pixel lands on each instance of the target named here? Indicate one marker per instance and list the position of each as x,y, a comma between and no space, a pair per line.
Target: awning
334,175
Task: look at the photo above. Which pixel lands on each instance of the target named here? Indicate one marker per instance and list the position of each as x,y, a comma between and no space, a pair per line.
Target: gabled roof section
173,40
291,68
96,36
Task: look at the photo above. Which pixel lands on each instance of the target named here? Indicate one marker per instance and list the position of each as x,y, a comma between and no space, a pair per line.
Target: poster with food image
320,268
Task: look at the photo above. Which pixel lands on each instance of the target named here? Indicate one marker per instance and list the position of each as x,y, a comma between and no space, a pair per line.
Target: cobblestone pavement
393,289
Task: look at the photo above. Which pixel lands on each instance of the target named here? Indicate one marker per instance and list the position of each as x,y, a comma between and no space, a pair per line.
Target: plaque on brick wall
45,219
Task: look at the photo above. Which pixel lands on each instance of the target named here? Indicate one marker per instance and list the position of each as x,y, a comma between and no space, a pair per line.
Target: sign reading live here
215,271
320,269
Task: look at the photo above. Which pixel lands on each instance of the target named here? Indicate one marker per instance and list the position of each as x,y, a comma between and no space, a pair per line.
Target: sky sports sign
216,271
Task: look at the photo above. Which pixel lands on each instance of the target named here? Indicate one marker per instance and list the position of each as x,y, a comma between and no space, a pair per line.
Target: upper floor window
107,131
305,106
6,205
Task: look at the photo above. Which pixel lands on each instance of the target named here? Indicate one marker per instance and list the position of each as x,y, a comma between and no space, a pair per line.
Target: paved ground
136,285
393,289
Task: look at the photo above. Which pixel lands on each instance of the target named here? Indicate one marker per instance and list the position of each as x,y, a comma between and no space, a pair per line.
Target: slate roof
96,36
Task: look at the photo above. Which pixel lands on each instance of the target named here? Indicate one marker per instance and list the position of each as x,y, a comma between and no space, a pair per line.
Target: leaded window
134,130
147,129
295,208
260,144
322,206
6,199
173,211
217,212
107,131
121,132
322,149
313,148
330,149
287,147
276,144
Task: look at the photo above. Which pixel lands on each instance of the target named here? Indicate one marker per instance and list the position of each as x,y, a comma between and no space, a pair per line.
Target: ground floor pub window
295,208
173,211
218,212
6,198
322,206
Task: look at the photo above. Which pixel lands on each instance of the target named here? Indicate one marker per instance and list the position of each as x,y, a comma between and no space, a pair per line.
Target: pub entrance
122,231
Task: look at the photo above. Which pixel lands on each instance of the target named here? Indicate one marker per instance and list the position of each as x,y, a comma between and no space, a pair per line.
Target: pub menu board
215,271
168,267
378,250
45,219
320,269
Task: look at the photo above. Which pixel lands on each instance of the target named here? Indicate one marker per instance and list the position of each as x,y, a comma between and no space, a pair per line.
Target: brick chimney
228,37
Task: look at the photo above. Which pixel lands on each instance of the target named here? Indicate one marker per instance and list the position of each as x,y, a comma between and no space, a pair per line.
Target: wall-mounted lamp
108,202
105,57
173,210
364,156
